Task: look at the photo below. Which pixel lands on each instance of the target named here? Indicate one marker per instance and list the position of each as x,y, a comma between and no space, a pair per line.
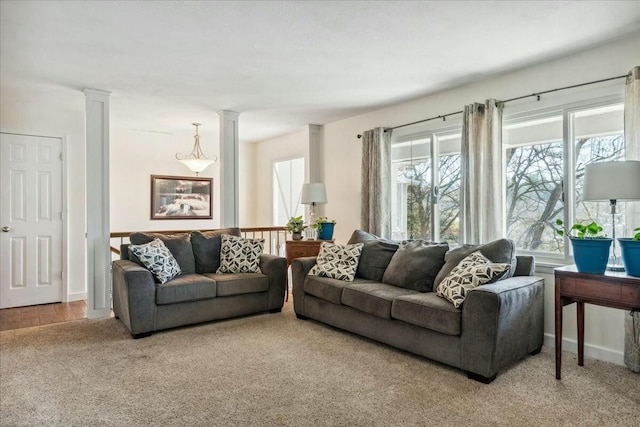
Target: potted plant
325,227
590,246
295,226
630,247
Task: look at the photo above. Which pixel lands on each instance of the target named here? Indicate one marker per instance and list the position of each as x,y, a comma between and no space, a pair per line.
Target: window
539,190
426,193
534,182
288,177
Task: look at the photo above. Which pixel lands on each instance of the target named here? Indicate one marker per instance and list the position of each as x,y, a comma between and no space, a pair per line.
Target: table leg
558,312
580,311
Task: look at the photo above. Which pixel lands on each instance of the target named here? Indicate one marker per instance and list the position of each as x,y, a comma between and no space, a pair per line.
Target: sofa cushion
337,261
375,256
240,255
188,287
473,271
179,245
239,283
327,288
157,258
373,297
501,251
415,265
429,311
206,248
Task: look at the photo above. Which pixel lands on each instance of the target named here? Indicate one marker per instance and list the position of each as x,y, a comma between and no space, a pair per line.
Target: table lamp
612,181
313,193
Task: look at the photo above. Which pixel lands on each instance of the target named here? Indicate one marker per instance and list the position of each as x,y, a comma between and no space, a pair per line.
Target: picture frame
181,197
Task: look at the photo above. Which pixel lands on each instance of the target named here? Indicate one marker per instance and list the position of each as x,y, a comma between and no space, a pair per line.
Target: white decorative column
229,158
315,162
97,200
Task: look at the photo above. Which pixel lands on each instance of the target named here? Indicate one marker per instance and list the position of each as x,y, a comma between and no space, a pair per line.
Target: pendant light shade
196,160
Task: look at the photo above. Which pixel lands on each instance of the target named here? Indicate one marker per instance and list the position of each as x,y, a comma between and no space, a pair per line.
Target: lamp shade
313,192
612,181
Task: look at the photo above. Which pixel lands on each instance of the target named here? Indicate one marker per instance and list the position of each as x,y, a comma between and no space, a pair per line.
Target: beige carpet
272,369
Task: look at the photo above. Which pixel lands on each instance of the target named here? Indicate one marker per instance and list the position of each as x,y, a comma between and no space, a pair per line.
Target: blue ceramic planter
591,255
326,232
630,255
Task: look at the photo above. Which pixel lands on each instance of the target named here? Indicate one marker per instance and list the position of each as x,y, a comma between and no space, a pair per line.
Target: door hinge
60,156
61,215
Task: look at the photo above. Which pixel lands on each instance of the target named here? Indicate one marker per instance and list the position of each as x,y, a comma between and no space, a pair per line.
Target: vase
591,255
296,235
326,231
630,255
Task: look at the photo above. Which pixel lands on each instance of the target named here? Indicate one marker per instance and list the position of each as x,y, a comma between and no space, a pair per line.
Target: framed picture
181,197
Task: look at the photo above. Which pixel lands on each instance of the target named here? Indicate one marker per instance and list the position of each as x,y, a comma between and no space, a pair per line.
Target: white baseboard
593,351
77,296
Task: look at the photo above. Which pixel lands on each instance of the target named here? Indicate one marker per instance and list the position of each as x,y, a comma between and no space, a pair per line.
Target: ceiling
281,64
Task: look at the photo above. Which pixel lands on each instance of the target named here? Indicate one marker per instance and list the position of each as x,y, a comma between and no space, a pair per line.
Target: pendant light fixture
196,161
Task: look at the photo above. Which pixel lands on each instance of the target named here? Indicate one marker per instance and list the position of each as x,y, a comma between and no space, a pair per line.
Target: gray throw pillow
179,245
206,248
415,265
376,254
498,251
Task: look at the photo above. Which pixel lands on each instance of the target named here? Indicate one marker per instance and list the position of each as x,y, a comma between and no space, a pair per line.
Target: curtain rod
536,94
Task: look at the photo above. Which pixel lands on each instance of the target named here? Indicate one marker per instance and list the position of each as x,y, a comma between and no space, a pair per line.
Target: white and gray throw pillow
337,261
473,271
240,255
158,259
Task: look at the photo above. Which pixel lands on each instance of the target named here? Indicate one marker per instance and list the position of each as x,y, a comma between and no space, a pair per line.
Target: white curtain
482,172
632,140
376,175
632,114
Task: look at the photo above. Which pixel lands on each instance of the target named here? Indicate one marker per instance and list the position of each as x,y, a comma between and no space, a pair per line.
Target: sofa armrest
501,323
300,268
275,268
134,296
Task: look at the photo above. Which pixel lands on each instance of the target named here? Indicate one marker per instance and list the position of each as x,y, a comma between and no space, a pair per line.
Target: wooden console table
612,289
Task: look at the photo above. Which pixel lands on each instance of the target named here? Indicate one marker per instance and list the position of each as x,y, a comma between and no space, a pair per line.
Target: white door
30,220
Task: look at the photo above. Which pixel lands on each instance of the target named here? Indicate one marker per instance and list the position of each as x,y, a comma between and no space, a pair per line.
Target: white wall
52,117
342,151
135,156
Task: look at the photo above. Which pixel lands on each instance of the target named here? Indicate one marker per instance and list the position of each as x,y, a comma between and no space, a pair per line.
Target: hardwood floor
37,315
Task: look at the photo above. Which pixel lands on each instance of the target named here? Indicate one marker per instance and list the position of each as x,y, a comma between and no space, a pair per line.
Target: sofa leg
301,317
481,378
142,335
275,310
536,351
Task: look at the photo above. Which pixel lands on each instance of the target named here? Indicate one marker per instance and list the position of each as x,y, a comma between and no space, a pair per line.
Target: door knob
6,229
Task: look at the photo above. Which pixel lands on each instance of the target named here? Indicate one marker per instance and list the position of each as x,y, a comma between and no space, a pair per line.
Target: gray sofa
198,294
498,323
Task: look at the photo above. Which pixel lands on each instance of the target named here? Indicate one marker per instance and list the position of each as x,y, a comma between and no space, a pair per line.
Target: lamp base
614,263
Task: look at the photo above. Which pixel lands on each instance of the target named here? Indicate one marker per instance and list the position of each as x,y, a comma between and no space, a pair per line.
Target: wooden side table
612,289
299,249
302,248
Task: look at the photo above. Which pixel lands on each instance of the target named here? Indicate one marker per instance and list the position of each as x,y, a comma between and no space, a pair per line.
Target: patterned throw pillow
157,258
240,255
471,272
337,261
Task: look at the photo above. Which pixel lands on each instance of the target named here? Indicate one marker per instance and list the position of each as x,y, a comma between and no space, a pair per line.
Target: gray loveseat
498,323
197,295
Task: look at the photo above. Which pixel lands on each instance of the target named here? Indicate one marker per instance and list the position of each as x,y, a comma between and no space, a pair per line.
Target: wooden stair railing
274,239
